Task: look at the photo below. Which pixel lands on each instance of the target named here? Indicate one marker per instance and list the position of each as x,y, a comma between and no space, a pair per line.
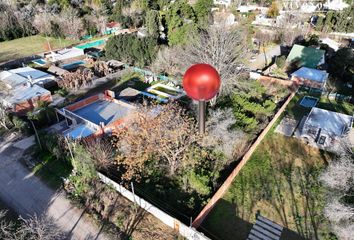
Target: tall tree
152,23
157,139
202,10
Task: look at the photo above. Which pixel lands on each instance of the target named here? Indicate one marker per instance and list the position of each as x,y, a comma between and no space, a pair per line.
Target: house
64,54
306,56
336,5
310,77
24,98
95,116
324,129
111,27
251,8
20,76
226,3
224,19
331,43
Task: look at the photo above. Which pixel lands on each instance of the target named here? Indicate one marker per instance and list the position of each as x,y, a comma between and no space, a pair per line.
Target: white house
324,129
20,76
227,3
336,5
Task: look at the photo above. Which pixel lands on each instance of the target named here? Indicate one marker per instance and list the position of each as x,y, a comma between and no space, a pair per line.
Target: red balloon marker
201,82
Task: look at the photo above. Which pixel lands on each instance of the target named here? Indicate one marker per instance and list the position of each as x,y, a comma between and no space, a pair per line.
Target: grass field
281,181
27,46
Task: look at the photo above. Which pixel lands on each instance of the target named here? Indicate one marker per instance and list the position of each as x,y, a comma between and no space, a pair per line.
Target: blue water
72,65
40,61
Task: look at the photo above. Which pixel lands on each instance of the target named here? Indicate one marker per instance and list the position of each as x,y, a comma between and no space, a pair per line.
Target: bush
280,61
132,49
20,124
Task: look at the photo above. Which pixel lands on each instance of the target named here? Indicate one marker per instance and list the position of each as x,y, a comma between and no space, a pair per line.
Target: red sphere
201,82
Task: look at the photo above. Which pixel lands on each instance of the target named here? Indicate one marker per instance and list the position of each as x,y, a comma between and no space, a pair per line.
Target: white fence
187,232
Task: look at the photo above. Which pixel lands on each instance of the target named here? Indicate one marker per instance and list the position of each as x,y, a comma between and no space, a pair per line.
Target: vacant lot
27,46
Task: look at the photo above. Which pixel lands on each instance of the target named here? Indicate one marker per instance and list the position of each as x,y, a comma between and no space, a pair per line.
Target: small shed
306,56
310,77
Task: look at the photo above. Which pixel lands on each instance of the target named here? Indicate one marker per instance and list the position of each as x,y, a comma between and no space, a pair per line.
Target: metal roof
306,56
265,229
311,74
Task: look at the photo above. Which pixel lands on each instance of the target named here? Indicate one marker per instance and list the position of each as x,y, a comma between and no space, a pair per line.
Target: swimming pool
92,44
40,62
73,65
308,101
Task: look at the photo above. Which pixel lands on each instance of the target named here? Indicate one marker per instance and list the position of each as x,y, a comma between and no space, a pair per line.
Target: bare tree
42,22
7,228
222,136
70,23
216,46
38,228
3,116
264,38
76,80
32,228
101,152
155,138
338,178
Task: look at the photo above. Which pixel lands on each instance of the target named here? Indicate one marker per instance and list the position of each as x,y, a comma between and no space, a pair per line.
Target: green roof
305,56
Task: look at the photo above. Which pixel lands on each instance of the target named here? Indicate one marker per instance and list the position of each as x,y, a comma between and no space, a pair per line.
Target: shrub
280,61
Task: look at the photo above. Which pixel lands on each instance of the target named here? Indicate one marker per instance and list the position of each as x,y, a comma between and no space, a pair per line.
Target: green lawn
51,170
297,111
281,181
27,46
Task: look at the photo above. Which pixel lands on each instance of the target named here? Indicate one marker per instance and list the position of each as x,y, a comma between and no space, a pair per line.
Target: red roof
113,24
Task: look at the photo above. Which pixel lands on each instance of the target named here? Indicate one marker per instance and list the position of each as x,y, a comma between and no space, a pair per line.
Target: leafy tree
341,65
252,106
202,10
61,3
179,19
155,141
320,23
152,23
132,49
273,10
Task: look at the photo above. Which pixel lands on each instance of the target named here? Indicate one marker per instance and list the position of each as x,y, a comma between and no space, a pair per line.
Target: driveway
259,63
26,194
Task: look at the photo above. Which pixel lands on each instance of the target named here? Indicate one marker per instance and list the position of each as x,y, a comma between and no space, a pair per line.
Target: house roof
307,56
57,70
113,24
31,72
24,93
12,80
311,74
328,121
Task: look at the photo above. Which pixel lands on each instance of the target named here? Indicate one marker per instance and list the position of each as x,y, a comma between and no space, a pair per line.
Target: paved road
259,63
27,195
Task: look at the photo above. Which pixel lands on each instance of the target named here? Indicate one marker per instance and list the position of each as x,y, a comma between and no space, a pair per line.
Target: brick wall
221,191
82,103
26,106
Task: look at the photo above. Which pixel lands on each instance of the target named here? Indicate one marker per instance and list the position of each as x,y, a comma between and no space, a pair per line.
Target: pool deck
103,111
